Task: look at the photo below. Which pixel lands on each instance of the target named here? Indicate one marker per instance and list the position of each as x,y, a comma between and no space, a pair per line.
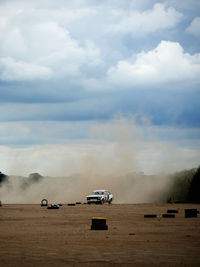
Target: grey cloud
59,62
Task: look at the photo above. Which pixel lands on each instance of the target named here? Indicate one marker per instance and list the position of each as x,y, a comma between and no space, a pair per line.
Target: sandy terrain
31,235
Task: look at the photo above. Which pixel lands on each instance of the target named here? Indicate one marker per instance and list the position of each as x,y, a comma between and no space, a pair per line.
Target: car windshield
97,193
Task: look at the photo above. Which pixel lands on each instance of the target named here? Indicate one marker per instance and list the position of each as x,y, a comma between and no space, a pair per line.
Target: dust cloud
114,158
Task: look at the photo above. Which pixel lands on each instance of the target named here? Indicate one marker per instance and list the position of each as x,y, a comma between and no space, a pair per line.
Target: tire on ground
168,215
53,207
44,202
99,224
150,215
191,213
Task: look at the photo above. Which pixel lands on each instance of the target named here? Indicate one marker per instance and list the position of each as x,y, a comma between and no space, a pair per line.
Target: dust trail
114,158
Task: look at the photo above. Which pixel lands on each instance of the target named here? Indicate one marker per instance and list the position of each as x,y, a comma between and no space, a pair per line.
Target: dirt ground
31,235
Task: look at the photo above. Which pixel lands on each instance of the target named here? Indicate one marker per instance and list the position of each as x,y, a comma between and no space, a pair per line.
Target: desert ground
31,235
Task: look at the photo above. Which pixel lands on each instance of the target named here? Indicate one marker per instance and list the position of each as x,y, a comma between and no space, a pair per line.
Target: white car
100,197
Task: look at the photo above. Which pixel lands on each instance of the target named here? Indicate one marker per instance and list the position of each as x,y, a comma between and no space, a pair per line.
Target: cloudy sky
74,74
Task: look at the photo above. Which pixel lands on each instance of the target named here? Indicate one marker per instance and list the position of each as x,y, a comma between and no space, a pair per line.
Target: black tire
99,227
53,208
150,216
168,215
191,213
44,202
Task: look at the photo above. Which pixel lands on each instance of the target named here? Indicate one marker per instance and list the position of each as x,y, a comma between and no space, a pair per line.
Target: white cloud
166,63
48,50
149,21
194,27
11,39
54,47
10,69
35,39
